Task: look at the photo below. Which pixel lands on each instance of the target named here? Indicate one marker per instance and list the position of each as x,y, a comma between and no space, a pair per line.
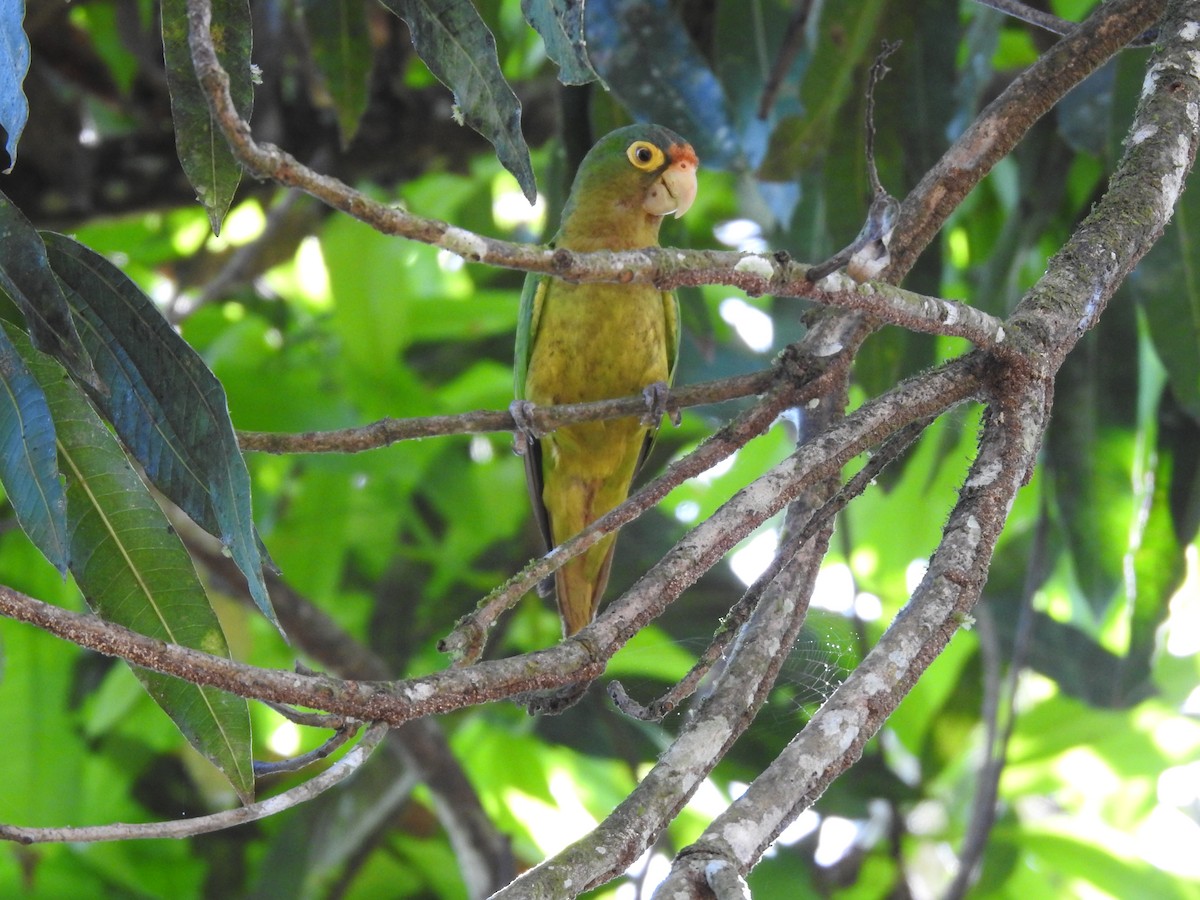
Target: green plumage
581,342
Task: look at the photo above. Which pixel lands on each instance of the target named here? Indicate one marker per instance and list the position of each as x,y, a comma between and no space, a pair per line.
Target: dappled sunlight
753,326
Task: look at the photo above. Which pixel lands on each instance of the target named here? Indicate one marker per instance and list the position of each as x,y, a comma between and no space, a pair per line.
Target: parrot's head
626,184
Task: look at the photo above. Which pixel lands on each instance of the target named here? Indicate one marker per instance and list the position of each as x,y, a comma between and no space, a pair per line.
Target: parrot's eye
644,155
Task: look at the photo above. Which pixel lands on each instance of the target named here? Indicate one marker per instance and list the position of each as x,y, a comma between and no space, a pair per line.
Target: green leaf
203,152
341,47
134,571
14,108
167,407
1090,448
1166,284
28,462
845,44
1098,857
1158,569
560,23
26,277
679,90
454,42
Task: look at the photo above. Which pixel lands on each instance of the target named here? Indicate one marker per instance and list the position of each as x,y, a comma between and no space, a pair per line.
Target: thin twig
304,760
999,712
544,418
311,719
867,255
1054,24
793,39
186,828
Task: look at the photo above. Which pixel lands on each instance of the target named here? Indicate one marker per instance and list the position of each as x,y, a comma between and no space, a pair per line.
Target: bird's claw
656,395
522,414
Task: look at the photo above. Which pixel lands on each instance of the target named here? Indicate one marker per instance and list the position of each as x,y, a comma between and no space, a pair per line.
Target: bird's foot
522,413
657,394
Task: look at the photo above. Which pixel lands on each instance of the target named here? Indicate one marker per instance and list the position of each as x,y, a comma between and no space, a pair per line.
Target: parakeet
582,342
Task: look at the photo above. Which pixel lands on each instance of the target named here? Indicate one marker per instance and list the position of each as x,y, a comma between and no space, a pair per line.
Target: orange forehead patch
682,153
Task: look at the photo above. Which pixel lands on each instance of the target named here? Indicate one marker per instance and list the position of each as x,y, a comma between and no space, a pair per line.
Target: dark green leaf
845,46
1090,448
14,108
679,90
1085,114
134,570
560,23
1157,571
167,407
458,48
1167,286
1179,439
203,152
28,460
1113,869
341,47
26,277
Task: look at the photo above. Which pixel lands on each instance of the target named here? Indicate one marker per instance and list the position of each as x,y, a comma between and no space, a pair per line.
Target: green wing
671,313
532,296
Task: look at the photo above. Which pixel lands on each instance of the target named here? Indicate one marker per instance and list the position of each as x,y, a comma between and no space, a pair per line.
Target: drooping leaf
134,571
845,46
203,152
1158,567
1085,114
14,63
1166,284
167,407
1090,447
28,461
642,51
1179,441
26,277
341,47
457,47
560,23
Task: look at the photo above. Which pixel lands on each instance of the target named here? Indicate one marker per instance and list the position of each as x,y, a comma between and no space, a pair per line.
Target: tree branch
707,733
185,828
731,624
544,418
483,854
1064,303
755,274
996,131
834,738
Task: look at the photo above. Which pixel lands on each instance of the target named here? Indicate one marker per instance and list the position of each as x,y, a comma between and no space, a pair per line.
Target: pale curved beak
675,189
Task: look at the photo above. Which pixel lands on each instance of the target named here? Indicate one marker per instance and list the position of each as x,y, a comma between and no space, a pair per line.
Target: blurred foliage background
313,321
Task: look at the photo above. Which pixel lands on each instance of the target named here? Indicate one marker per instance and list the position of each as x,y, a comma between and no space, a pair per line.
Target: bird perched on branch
595,341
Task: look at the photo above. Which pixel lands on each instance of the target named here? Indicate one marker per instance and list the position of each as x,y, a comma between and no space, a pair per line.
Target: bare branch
737,616
1064,303
304,760
1048,21
544,418
1005,121
707,734
833,739
666,268
185,828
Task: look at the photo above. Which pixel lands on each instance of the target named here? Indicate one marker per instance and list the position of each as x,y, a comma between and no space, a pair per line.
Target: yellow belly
593,342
